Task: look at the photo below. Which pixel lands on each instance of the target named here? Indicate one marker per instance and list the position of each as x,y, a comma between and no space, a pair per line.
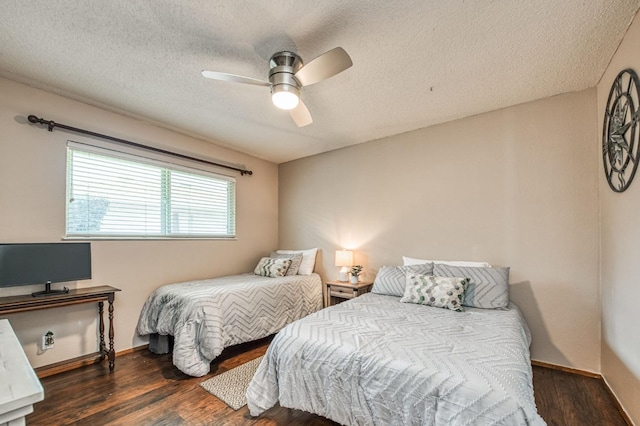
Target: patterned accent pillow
488,287
271,267
439,292
308,259
391,280
296,260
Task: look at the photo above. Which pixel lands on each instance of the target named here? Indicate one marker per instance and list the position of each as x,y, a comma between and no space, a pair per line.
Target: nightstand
338,291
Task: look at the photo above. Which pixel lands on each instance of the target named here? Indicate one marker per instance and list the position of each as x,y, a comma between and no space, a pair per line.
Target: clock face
620,131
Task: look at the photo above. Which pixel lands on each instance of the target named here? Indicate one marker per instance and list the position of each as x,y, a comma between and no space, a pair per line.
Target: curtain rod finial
50,124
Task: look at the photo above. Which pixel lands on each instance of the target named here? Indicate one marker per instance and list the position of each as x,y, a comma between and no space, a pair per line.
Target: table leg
112,352
103,347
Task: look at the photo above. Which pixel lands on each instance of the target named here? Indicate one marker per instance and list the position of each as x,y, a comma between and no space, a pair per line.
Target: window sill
148,238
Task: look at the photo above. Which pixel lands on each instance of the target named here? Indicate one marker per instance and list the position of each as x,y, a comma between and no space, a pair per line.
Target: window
114,194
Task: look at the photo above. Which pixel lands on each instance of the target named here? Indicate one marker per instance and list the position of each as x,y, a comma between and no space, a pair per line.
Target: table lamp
344,258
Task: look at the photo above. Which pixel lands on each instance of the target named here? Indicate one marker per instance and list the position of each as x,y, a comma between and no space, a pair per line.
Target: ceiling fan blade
324,66
301,115
234,78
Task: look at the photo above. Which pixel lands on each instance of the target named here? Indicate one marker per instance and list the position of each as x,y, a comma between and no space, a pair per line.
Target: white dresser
19,384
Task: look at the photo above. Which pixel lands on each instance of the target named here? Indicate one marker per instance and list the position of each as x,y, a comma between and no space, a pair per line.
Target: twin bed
373,360
206,316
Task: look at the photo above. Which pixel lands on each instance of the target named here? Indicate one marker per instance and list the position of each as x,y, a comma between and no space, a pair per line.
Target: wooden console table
24,303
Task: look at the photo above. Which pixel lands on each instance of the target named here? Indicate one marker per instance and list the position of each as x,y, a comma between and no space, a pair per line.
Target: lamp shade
344,258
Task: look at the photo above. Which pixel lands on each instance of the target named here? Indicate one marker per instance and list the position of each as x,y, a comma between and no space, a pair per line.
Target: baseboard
132,350
621,409
81,361
598,376
69,364
566,369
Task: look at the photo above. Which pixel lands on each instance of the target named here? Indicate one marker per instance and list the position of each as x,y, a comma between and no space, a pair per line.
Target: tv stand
47,291
24,303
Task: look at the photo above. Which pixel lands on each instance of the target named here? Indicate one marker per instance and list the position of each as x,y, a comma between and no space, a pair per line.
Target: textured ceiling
416,62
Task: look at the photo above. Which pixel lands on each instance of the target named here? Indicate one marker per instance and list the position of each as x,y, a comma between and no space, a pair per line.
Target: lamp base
344,274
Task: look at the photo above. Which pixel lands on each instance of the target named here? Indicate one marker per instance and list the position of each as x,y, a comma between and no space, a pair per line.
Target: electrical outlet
47,340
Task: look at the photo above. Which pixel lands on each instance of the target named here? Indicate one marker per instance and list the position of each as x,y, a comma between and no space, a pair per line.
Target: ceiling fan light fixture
285,96
288,75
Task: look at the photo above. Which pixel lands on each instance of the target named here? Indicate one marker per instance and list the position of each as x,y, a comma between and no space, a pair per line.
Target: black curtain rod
52,124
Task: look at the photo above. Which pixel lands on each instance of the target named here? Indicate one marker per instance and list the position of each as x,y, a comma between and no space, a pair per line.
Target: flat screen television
44,263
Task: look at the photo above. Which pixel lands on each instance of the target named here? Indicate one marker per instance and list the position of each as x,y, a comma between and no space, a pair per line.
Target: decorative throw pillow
296,259
488,287
439,292
412,261
272,267
308,259
391,280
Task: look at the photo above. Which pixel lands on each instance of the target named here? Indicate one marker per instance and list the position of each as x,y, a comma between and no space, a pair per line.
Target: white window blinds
114,194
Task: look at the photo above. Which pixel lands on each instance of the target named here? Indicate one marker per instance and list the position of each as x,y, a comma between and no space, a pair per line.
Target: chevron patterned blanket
206,316
375,361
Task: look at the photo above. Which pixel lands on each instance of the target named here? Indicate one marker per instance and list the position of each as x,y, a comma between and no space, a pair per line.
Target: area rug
231,386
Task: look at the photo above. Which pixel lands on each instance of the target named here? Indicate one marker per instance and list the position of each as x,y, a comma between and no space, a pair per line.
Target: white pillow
308,259
412,261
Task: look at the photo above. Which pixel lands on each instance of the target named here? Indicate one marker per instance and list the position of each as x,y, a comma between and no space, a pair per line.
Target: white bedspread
376,361
208,315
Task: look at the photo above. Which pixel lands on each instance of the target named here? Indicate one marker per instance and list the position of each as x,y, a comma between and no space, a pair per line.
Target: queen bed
206,316
374,360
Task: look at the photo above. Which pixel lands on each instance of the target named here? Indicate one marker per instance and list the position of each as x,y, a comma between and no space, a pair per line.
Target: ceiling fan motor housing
281,75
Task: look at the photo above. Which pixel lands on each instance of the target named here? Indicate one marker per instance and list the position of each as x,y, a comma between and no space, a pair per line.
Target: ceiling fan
288,75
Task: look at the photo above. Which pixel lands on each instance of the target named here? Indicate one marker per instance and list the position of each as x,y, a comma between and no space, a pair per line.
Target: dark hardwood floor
571,399
146,389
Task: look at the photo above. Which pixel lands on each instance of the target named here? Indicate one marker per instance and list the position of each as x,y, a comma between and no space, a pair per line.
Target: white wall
515,187
620,255
32,208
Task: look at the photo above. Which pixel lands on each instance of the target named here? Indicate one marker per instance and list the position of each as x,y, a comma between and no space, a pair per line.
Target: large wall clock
620,131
